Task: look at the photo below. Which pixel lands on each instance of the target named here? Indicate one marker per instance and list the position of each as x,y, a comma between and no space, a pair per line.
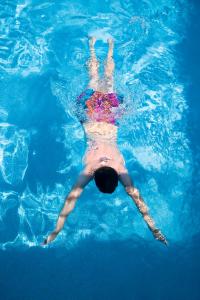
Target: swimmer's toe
92,40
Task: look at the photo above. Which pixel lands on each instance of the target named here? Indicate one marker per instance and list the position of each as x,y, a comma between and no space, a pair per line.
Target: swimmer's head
106,179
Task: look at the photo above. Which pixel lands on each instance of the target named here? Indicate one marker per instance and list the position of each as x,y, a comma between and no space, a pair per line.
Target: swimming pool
105,251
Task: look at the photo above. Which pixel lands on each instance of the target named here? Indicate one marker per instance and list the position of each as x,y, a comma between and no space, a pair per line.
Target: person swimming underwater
102,161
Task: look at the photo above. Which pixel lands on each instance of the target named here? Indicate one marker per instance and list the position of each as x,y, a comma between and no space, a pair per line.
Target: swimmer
102,161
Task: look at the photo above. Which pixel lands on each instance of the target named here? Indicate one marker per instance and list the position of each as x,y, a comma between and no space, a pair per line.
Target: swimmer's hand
159,236
50,238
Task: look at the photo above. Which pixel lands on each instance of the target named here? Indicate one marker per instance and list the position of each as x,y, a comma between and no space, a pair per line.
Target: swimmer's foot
111,46
110,41
92,42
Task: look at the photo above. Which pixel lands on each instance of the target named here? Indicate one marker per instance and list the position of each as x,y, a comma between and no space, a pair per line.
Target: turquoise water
105,250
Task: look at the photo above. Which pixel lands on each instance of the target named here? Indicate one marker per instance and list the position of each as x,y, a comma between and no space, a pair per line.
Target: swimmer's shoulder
89,168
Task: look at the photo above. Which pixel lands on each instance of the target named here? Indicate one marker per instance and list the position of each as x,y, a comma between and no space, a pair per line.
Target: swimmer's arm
141,206
70,201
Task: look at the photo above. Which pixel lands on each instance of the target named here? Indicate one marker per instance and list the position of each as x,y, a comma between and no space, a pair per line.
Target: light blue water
105,242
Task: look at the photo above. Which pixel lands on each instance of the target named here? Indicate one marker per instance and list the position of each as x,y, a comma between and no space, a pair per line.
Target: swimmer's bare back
102,147
102,151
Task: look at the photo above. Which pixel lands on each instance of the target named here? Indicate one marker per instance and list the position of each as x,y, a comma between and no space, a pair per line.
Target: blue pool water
105,250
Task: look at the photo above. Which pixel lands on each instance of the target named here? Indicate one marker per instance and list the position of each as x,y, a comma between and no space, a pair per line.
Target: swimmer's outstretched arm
70,201
141,206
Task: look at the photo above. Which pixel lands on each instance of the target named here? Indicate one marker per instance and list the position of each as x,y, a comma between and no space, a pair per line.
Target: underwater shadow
131,269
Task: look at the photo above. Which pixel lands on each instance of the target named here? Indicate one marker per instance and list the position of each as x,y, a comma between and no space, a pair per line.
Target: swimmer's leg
93,66
109,67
